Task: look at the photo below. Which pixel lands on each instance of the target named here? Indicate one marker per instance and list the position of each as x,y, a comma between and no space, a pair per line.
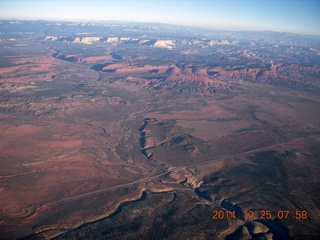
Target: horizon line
163,23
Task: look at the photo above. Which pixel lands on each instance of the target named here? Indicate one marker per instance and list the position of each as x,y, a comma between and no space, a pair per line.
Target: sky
297,16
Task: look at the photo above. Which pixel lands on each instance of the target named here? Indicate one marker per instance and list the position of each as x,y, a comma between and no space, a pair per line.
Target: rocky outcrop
90,40
165,44
123,39
192,182
83,40
276,73
219,42
231,73
90,60
202,79
52,38
113,40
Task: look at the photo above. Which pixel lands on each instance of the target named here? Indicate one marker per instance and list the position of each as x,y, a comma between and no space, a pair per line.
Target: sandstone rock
142,41
52,38
112,40
77,40
165,43
219,42
90,40
125,39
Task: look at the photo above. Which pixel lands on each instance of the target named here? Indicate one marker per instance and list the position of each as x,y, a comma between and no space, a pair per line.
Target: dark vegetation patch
158,216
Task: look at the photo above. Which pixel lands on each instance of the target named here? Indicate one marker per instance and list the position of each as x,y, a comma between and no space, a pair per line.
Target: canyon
130,132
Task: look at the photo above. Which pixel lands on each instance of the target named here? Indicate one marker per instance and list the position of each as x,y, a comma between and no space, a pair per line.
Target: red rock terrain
38,68
212,80
134,142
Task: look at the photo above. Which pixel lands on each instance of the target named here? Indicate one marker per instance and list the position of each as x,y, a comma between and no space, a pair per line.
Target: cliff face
211,80
83,40
191,73
276,73
198,78
90,40
164,43
229,73
112,40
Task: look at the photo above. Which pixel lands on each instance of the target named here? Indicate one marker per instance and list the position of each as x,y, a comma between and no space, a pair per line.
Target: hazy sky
300,16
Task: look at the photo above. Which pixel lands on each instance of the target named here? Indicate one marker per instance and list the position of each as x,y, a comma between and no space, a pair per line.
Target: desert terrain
128,132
